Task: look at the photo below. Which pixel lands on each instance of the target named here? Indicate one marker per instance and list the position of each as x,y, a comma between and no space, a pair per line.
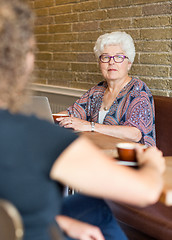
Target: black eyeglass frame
123,57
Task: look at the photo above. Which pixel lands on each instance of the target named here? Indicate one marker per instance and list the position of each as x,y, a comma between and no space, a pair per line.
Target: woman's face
113,70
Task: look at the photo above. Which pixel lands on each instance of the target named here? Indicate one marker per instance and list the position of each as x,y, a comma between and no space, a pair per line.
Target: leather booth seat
155,221
163,123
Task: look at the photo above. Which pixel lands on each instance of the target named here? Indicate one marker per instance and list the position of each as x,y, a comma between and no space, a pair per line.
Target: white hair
116,38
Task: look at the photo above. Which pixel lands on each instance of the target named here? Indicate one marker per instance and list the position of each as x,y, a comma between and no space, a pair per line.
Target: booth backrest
163,124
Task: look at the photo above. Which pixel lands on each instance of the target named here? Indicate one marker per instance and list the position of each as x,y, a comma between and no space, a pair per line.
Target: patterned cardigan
134,106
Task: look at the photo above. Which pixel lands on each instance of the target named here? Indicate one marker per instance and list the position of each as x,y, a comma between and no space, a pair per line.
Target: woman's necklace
111,100
105,108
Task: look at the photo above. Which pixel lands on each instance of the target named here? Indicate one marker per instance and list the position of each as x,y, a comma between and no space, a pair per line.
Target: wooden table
103,141
108,144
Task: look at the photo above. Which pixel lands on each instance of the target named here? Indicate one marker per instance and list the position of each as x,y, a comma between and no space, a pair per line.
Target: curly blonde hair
16,32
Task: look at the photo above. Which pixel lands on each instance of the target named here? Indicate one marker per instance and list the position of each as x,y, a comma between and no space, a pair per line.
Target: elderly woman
121,106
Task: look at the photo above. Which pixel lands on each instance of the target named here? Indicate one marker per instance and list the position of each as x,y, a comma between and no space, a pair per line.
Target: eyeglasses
117,58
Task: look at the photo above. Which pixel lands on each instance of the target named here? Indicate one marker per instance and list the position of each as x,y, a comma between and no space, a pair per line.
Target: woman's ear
129,66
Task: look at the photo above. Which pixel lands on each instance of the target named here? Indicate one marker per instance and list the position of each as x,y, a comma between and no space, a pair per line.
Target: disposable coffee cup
126,152
59,115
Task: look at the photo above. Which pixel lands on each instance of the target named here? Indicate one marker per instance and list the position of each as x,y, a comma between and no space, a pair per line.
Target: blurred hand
151,157
79,230
76,123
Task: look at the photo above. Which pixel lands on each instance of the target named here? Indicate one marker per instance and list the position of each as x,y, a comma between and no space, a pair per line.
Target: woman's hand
75,123
79,230
150,174
151,157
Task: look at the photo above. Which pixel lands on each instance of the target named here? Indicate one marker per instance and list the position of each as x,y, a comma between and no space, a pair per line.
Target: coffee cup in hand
126,152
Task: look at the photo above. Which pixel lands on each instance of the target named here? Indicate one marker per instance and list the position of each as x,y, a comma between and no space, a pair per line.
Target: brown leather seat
163,123
153,222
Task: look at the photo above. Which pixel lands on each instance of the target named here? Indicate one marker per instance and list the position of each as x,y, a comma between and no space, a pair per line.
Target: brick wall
66,31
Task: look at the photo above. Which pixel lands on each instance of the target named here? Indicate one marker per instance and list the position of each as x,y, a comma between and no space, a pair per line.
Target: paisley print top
134,106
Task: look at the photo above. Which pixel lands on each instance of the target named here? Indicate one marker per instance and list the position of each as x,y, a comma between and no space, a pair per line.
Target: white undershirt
102,115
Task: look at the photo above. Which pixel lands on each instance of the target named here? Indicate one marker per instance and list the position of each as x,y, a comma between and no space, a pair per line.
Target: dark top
28,149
